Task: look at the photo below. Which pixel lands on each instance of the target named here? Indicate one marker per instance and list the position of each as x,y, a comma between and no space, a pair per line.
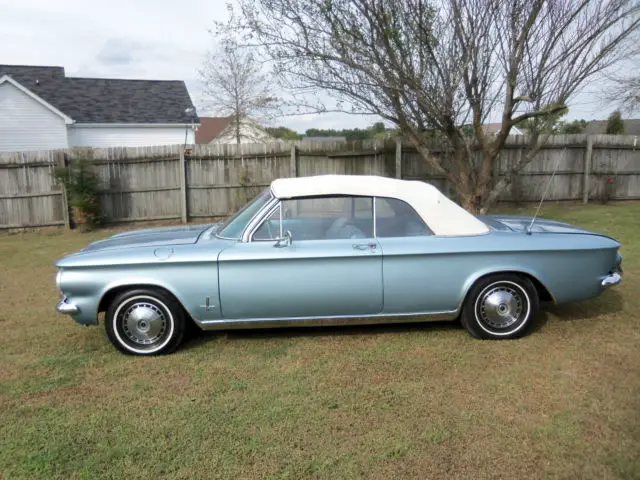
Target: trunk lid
520,223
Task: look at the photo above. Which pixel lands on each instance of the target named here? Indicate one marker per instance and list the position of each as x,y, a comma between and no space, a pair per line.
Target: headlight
58,280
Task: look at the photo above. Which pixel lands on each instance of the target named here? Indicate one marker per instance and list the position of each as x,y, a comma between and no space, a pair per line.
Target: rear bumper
611,280
66,307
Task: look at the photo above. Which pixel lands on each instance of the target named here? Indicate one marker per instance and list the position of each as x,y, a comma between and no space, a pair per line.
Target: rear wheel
145,322
500,306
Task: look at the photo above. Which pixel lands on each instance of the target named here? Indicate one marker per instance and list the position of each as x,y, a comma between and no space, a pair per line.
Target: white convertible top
441,215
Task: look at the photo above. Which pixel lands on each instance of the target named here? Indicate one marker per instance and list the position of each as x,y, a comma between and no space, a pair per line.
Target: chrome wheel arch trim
124,344
471,281
493,285
132,285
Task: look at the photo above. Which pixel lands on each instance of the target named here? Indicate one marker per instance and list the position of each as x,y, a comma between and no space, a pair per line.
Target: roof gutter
139,125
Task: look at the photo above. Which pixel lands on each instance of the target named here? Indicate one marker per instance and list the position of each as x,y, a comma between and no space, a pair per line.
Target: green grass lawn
418,401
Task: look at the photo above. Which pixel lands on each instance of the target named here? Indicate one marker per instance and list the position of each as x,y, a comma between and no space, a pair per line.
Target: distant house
41,109
595,127
494,128
222,130
325,139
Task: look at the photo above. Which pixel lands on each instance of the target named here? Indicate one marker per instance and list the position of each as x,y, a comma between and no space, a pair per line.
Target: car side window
396,218
328,218
270,227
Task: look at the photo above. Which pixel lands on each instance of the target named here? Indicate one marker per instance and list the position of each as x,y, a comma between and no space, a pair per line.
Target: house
222,130
494,128
325,139
595,127
41,109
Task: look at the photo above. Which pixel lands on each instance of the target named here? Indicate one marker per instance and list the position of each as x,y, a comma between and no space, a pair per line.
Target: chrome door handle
364,246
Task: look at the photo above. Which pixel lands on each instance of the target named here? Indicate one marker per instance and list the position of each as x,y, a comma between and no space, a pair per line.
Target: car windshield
234,227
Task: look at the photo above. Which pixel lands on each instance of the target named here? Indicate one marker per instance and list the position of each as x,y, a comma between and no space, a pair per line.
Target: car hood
520,223
150,237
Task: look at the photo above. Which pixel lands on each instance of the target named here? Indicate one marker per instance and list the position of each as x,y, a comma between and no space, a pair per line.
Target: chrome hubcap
501,306
143,323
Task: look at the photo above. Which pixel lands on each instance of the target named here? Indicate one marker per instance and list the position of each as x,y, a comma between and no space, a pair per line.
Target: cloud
117,51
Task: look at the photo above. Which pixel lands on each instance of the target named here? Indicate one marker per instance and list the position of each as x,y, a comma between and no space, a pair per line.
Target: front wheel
500,306
145,322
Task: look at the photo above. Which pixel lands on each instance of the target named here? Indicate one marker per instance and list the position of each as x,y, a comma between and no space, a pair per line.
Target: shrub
615,125
82,186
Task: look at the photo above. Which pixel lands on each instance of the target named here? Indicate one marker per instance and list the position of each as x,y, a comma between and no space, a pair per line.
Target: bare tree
443,68
236,86
625,93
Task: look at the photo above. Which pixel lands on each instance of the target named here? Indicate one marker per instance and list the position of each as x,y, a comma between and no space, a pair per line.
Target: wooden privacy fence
213,181
28,193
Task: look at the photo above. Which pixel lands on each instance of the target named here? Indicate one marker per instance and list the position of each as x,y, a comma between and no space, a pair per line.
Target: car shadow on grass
196,337
608,303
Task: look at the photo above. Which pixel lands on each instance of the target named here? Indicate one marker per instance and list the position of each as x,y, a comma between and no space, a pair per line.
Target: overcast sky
150,39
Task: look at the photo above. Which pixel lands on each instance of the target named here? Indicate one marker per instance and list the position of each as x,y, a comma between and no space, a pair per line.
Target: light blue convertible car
334,250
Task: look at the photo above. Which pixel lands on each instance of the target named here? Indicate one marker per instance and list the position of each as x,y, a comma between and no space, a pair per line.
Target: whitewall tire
145,322
500,306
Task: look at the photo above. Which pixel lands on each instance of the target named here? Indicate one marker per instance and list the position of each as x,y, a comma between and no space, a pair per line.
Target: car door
410,283
332,265
423,273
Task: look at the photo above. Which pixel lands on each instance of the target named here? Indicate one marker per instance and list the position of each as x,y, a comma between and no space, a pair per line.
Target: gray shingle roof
631,127
100,100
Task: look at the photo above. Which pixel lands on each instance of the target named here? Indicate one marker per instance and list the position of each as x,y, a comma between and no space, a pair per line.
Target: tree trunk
468,202
485,180
238,132
473,188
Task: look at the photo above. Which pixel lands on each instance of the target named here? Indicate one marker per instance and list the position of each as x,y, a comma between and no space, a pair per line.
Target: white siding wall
25,124
133,136
249,133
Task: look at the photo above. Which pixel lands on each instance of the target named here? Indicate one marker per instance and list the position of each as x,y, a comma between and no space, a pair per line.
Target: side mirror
283,241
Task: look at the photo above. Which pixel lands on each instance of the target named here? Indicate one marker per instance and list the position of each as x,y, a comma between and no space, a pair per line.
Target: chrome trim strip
257,218
611,280
374,319
66,307
252,231
241,238
375,231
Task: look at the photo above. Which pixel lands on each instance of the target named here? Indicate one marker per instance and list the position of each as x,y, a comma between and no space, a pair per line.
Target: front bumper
610,280
66,307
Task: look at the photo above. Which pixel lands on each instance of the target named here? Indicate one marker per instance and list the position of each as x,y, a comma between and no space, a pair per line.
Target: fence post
293,167
65,202
183,186
587,169
398,157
